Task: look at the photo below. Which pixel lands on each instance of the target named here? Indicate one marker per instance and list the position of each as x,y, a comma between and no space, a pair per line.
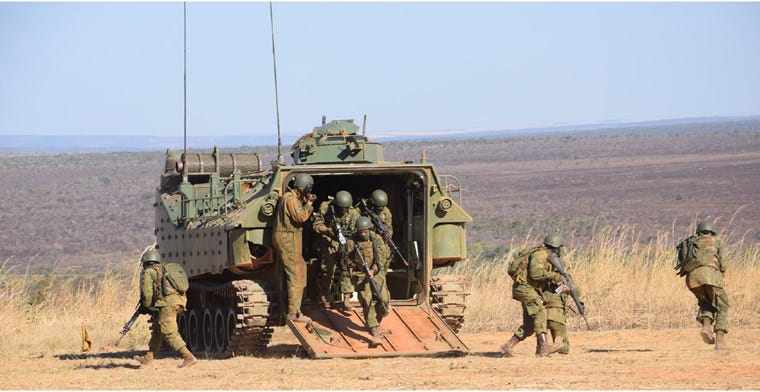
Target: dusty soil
621,359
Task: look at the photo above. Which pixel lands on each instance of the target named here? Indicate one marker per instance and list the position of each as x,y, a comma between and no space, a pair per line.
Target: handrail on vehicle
450,185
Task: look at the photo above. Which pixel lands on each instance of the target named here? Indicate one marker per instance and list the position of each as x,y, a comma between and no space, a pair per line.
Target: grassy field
625,283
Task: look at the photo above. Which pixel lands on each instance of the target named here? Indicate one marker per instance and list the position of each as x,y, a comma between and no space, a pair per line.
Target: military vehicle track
236,320
448,294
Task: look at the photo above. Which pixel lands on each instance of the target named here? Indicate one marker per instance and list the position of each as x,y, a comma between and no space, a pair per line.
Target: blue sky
117,68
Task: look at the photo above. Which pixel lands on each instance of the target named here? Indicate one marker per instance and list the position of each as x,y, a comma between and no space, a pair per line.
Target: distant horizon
402,133
73,143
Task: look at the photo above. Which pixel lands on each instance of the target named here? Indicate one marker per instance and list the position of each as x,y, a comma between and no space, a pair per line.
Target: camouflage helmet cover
303,182
343,199
554,240
379,198
705,226
150,256
363,223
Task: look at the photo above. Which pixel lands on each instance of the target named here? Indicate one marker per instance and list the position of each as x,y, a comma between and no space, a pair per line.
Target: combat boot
507,349
298,318
543,348
375,331
324,301
564,348
146,359
720,340
189,358
347,302
706,331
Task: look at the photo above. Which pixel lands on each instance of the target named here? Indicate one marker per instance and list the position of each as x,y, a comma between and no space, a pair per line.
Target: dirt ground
619,359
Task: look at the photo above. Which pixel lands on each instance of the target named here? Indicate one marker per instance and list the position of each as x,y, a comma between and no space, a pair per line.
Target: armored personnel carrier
215,216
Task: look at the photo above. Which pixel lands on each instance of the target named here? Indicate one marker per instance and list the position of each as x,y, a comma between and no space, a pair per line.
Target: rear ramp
410,330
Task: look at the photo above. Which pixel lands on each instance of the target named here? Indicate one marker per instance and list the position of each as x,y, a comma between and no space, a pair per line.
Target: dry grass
625,283
44,313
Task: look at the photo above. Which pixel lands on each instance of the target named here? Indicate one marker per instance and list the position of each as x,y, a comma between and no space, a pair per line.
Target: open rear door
410,330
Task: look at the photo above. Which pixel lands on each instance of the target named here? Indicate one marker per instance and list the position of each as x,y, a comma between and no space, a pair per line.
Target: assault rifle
138,311
372,284
558,265
382,230
342,243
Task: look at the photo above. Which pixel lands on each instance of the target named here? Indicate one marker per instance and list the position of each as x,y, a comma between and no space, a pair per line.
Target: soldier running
529,280
163,310
700,259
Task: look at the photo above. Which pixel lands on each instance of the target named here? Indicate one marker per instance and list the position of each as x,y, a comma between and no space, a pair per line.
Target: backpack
174,279
518,267
695,252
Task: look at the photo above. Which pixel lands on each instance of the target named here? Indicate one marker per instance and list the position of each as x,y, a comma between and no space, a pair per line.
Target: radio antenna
184,91
276,95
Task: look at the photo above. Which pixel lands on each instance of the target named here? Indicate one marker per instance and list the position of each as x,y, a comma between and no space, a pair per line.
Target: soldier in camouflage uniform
293,211
700,259
527,289
380,208
163,310
368,243
555,295
341,210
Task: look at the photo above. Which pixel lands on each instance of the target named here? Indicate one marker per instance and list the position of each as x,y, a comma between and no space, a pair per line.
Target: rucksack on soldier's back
174,279
519,263
686,260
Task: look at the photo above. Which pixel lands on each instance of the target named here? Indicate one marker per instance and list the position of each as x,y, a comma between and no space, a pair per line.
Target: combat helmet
303,182
363,223
554,240
150,256
343,199
379,198
706,227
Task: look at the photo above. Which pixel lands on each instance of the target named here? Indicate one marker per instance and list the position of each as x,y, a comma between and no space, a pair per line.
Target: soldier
292,212
339,210
163,309
700,259
366,242
529,279
380,208
555,296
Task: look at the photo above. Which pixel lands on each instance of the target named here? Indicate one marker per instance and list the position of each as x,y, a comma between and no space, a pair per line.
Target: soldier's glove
148,310
558,279
329,231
